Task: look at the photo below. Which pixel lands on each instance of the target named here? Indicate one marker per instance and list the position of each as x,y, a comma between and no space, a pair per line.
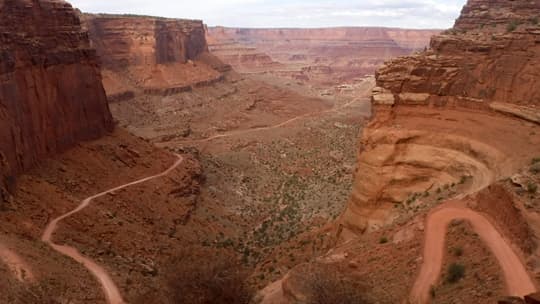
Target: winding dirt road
16,264
518,282
111,291
253,130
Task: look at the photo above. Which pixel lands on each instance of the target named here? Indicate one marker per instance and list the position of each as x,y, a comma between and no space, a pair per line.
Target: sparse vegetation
383,240
458,251
532,188
534,20
455,273
512,26
535,165
219,279
330,286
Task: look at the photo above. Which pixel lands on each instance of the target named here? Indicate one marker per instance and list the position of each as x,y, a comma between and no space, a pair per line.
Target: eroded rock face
51,96
325,56
123,41
483,13
464,110
150,54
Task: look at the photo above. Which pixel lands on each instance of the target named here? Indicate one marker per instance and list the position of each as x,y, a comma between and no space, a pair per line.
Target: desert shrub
534,20
383,240
532,188
458,251
535,161
202,275
327,285
32,294
512,26
455,273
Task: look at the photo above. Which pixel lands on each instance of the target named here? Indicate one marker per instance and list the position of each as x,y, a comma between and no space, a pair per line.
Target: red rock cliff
327,55
122,41
454,119
51,95
149,53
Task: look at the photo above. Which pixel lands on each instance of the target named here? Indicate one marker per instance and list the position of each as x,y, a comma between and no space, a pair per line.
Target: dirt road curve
518,282
16,264
111,291
280,125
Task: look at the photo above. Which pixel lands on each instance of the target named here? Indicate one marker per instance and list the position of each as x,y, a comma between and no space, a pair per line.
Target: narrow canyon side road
518,281
111,291
16,264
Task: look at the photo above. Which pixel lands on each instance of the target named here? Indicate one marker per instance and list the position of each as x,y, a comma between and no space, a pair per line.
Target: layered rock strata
325,56
151,54
51,95
464,112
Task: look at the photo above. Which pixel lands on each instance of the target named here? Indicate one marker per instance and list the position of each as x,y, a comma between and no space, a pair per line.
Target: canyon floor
287,182
267,168
278,158
278,161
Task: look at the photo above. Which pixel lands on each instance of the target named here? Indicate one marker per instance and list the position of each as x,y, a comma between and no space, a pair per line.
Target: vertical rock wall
51,95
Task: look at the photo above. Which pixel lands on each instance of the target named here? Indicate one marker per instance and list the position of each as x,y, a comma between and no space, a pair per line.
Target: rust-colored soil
483,282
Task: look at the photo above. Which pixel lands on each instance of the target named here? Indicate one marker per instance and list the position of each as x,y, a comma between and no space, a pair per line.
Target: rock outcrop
493,13
151,54
464,112
51,95
326,56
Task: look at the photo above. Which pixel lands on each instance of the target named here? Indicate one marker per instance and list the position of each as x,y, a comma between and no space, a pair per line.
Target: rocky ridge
51,96
464,112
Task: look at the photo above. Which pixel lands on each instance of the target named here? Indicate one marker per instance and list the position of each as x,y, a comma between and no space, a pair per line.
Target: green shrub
328,286
512,26
532,188
455,273
463,179
458,251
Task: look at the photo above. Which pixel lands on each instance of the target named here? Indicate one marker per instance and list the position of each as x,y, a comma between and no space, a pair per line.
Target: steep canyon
261,129
328,56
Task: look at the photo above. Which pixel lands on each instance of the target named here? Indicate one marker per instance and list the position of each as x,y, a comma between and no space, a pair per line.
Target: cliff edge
51,96
151,55
451,120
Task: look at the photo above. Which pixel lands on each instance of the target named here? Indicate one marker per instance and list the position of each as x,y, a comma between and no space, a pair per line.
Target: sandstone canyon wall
464,113
151,54
328,55
51,95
